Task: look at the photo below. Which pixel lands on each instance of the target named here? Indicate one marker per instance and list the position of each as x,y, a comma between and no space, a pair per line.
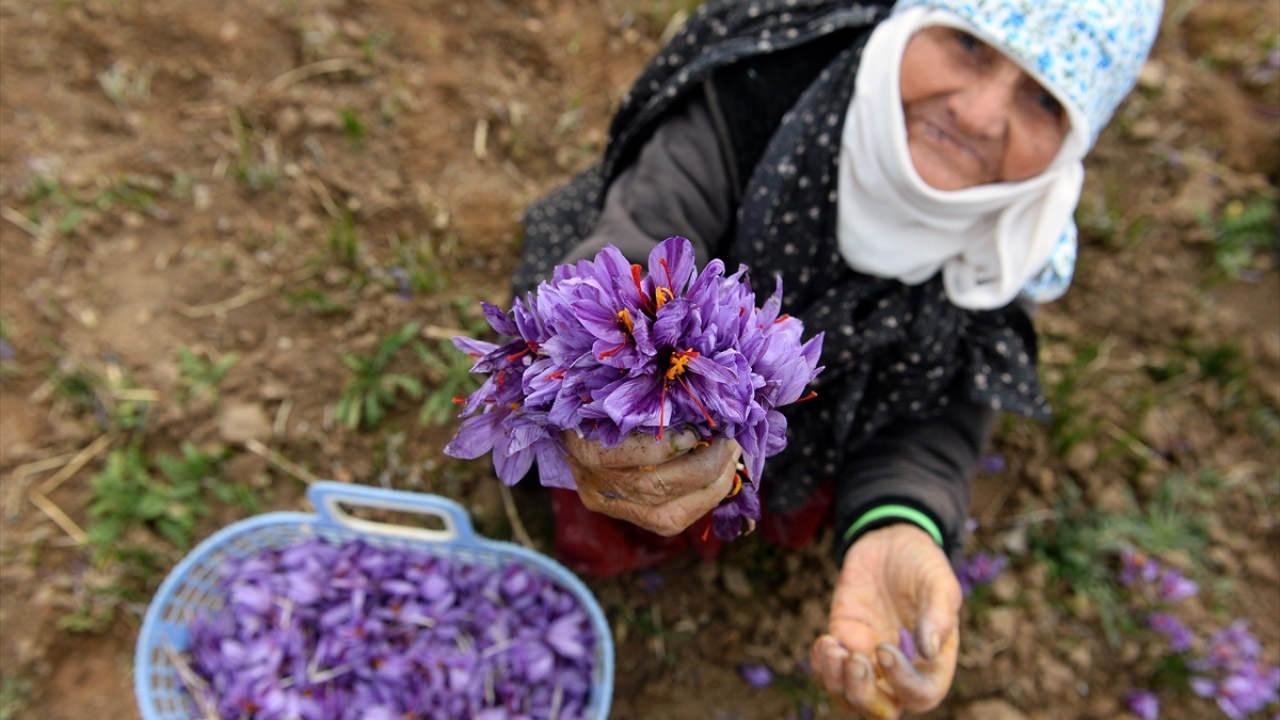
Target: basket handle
328,498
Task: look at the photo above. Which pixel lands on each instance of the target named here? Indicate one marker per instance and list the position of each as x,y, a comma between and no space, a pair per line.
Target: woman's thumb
939,611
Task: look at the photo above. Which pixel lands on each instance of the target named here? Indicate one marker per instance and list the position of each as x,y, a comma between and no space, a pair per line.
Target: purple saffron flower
1174,587
757,675
1234,676
605,350
390,632
1178,635
980,569
7,352
1144,704
907,644
1136,567
992,464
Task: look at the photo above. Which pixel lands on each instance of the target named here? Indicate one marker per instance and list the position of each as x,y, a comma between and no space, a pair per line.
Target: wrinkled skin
663,486
893,578
974,116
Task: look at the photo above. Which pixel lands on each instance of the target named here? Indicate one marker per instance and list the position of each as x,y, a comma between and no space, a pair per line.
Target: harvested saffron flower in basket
605,349
355,631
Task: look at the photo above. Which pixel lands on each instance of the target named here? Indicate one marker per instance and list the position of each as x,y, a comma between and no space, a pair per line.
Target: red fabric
600,546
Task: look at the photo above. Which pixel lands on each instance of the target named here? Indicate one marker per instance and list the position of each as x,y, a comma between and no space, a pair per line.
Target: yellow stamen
624,318
662,295
679,361
737,485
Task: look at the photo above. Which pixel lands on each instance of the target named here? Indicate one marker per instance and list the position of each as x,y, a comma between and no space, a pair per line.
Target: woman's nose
982,109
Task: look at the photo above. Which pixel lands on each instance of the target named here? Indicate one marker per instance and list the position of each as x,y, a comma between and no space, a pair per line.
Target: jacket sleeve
680,183
914,471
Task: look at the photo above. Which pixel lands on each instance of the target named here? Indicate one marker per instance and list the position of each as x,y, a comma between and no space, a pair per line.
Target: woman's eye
1049,103
970,43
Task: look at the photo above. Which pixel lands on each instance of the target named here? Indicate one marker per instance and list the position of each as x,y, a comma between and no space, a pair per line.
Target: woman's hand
893,578
663,486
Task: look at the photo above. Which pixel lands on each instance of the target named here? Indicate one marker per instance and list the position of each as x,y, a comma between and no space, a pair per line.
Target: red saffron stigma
611,351
557,375
780,318
811,395
635,277
701,408
667,268
459,400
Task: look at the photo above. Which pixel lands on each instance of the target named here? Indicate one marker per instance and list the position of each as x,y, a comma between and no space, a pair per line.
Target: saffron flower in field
1179,636
1144,704
353,631
757,675
980,569
605,349
1234,675
1174,587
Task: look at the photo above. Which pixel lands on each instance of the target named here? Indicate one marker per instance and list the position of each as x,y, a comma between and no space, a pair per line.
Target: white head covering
989,240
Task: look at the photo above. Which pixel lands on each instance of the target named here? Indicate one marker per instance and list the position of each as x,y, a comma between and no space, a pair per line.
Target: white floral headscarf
1087,53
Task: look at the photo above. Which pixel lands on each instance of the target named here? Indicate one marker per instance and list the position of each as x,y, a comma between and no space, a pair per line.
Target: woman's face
973,115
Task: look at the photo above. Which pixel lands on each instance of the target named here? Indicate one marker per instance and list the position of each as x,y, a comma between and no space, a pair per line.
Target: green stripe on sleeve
898,512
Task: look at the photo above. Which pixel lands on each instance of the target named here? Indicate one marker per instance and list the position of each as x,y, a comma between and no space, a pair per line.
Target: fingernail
838,654
684,441
861,669
927,638
930,647
886,658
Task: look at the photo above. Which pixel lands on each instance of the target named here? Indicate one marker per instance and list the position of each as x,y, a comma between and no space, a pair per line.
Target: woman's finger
915,690
828,660
690,472
667,519
661,484
862,692
636,450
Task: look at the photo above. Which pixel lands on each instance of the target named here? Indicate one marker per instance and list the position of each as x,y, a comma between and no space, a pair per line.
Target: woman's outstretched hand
663,486
893,578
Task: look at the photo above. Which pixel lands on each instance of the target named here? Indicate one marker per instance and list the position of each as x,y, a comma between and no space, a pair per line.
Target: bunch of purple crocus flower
605,350
353,631
1234,675
1229,669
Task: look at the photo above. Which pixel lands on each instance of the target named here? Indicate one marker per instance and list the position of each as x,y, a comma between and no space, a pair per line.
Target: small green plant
126,495
110,397
423,270
315,302
258,170
55,208
1071,421
8,355
449,375
1078,544
372,390
344,243
1241,231
14,691
352,126
201,374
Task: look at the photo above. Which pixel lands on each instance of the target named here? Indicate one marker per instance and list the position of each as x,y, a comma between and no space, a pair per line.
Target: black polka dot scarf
892,351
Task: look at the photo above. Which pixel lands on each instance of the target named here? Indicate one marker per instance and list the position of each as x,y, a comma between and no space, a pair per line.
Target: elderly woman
910,170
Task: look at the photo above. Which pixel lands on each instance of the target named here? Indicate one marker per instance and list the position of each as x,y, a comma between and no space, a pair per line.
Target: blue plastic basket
191,587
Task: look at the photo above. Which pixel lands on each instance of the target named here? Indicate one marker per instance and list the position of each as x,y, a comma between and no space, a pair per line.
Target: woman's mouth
952,144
